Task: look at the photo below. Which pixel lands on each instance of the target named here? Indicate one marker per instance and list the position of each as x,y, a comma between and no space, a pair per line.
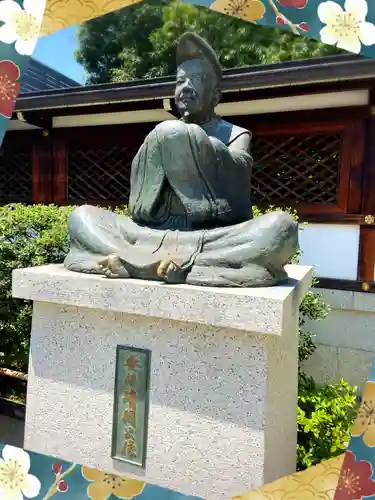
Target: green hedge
29,236
325,416
37,235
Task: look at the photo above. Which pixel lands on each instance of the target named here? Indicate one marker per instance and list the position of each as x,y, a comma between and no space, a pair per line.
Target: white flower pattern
15,480
347,28
21,26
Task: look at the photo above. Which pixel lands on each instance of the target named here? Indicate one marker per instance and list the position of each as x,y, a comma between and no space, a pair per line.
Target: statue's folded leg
97,234
252,253
249,275
103,242
81,261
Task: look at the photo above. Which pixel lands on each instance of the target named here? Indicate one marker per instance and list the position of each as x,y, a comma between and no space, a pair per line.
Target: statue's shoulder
228,132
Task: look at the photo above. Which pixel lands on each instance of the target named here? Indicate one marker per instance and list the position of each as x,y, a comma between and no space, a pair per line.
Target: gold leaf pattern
105,485
365,421
249,10
60,14
317,483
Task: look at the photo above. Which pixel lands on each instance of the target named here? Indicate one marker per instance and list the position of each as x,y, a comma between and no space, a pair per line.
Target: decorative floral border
9,87
341,23
355,479
20,23
31,475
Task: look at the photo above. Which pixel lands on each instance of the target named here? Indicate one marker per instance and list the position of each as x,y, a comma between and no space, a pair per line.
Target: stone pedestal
223,387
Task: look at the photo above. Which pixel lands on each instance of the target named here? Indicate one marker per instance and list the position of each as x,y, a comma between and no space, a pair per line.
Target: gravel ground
11,431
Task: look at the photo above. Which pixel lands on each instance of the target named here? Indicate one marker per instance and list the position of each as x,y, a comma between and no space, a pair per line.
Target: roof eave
294,73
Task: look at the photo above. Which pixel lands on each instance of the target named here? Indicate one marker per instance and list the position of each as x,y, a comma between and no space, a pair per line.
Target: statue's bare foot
170,272
113,267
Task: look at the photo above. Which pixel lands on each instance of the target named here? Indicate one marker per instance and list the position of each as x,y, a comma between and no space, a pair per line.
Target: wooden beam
298,128
325,217
346,285
13,374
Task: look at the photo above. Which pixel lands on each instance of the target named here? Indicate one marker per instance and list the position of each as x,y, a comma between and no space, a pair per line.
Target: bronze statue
191,215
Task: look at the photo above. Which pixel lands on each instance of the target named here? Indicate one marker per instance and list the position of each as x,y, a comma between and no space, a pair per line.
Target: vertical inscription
129,440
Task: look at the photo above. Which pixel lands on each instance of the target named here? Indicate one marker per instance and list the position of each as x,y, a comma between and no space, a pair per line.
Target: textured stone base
222,400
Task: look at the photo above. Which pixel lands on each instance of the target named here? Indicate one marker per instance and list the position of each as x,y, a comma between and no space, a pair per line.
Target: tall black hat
192,46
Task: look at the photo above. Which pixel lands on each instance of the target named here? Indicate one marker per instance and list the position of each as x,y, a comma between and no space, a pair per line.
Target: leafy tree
139,41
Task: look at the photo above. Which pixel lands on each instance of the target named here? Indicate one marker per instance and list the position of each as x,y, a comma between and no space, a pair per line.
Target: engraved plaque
129,433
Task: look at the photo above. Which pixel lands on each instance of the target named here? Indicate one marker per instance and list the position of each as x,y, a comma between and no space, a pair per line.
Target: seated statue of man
191,217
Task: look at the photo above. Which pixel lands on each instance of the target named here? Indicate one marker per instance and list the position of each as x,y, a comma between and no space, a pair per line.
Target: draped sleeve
184,179
146,180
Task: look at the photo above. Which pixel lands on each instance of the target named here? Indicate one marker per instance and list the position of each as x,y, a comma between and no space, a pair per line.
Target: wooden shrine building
313,125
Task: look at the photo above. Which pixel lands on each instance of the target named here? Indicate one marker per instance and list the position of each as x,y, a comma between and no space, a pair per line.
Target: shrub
325,416
29,236
312,307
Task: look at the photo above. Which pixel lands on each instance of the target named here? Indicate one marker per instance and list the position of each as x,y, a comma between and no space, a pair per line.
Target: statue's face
195,88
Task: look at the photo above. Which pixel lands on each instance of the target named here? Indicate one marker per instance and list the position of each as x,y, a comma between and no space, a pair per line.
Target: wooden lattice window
297,168
16,167
311,165
99,174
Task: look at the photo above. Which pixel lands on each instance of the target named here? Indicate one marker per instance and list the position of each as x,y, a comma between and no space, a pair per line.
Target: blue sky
57,51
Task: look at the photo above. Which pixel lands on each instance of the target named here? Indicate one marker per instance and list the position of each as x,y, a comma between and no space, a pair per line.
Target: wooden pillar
366,259
353,151
60,171
42,168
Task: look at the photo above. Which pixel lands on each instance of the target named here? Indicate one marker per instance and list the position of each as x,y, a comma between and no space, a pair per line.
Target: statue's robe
190,203
185,177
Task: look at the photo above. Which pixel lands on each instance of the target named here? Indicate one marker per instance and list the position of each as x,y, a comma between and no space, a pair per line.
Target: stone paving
11,431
